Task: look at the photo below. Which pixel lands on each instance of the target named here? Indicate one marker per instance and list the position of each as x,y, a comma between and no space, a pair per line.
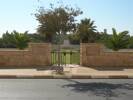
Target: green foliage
87,31
130,46
56,21
7,40
74,38
56,39
20,39
119,40
105,38
14,40
37,38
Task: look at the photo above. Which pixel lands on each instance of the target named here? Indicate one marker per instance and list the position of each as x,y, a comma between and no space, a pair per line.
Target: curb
7,76
65,77
102,77
24,77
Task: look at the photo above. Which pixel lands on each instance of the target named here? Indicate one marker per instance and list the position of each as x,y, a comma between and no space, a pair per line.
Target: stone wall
95,55
37,54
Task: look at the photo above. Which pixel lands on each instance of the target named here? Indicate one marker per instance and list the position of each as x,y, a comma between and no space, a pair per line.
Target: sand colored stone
37,54
93,54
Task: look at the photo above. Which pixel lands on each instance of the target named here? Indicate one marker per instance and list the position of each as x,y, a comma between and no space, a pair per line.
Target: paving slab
69,72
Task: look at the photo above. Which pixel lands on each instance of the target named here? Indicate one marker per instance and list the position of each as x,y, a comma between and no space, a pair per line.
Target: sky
19,14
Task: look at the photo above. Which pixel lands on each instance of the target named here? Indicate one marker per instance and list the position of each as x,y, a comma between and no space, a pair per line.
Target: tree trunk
60,68
59,58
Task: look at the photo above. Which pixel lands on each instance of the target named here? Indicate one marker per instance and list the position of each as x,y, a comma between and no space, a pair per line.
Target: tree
20,39
87,31
74,38
15,40
7,40
130,46
119,40
56,21
105,38
59,20
36,38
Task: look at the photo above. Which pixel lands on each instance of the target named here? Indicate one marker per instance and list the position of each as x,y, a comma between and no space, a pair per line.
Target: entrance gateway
66,57
69,54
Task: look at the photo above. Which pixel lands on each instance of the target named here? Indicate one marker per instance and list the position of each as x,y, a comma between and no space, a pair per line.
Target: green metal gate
66,57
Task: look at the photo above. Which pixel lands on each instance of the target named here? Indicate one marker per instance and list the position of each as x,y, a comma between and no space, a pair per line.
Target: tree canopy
87,31
119,40
56,20
14,40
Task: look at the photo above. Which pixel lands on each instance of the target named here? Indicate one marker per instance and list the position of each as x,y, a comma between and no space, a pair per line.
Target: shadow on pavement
99,89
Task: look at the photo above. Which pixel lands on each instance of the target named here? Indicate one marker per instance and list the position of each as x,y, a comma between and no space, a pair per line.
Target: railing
66,57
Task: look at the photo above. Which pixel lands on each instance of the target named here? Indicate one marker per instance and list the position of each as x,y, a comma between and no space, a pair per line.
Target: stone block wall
37,54
93,54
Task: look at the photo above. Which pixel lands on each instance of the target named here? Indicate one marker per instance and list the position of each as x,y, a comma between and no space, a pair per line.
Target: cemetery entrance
69,54
66,57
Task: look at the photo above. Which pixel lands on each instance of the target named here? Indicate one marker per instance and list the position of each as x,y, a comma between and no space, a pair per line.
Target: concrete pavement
70,71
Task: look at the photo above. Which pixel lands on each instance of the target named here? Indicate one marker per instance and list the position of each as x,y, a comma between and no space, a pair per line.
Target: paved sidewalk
70,71
95,72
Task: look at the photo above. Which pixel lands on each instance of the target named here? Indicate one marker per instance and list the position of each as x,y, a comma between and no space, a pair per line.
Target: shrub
20,39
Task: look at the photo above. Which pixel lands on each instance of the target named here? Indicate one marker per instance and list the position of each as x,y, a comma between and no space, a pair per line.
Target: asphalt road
66,89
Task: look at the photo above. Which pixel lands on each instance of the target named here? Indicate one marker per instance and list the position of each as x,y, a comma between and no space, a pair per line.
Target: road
66,89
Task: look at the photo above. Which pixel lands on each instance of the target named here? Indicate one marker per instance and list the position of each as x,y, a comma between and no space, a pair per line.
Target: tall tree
57,20
87,31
